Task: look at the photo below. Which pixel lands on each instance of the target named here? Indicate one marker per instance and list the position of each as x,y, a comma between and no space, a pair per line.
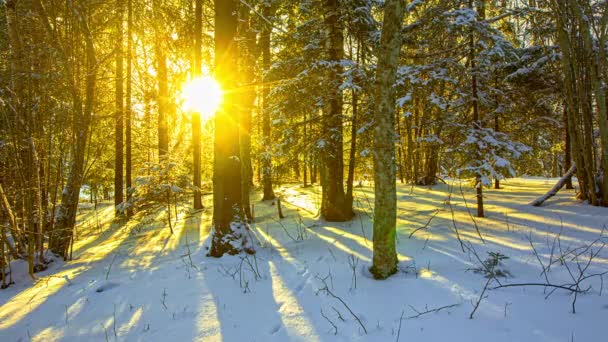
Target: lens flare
202,95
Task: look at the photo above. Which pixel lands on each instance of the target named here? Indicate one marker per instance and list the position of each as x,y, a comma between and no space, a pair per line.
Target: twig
471,215
428,311
454,218
339,314
330,293
481,297
399,330
427,223
110,267
330,322
563,287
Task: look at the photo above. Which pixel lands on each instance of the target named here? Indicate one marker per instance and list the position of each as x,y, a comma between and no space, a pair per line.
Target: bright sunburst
202,95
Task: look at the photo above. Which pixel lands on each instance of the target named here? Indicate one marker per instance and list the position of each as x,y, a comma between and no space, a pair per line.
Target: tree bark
334,205
230,230
62,233
163,87
246,65
128,103
385,203
118,110
560,184
196,117
476,115
567,149
267,11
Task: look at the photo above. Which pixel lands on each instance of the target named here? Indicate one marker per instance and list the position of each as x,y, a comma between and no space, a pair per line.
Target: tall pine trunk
196,116
118,110
128,102
334,205
162,96
230,230
266,138
246,99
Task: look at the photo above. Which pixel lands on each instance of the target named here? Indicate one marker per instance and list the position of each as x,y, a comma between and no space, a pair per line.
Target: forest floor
309,281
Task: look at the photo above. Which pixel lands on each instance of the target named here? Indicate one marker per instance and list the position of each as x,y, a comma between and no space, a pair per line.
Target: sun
202,95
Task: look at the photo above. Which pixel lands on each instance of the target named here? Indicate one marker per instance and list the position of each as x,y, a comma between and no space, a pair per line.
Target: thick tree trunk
230,230
385,204
334,206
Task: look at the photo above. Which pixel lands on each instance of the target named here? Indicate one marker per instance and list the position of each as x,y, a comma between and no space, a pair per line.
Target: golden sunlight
202,95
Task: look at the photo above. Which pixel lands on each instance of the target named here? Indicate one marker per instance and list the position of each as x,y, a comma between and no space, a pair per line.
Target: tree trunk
128,104
476,115
66,213
196,116
596,67
352,156
334,204
246,65
163,87
560,184
385,204
267,11
567,149
118,111
12,225
306,156
230,230
496,129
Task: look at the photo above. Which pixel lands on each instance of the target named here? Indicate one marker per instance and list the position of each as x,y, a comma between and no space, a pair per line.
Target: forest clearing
143,284
311,170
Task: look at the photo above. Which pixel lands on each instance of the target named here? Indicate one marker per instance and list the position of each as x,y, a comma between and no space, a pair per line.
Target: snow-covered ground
137,282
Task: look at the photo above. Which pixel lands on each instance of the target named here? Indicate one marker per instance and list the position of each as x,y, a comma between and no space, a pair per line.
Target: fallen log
560,184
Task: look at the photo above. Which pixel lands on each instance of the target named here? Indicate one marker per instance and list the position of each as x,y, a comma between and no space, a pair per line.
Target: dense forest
164,111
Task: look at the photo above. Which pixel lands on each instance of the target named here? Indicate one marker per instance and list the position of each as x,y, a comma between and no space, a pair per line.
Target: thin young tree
128,103
118,110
